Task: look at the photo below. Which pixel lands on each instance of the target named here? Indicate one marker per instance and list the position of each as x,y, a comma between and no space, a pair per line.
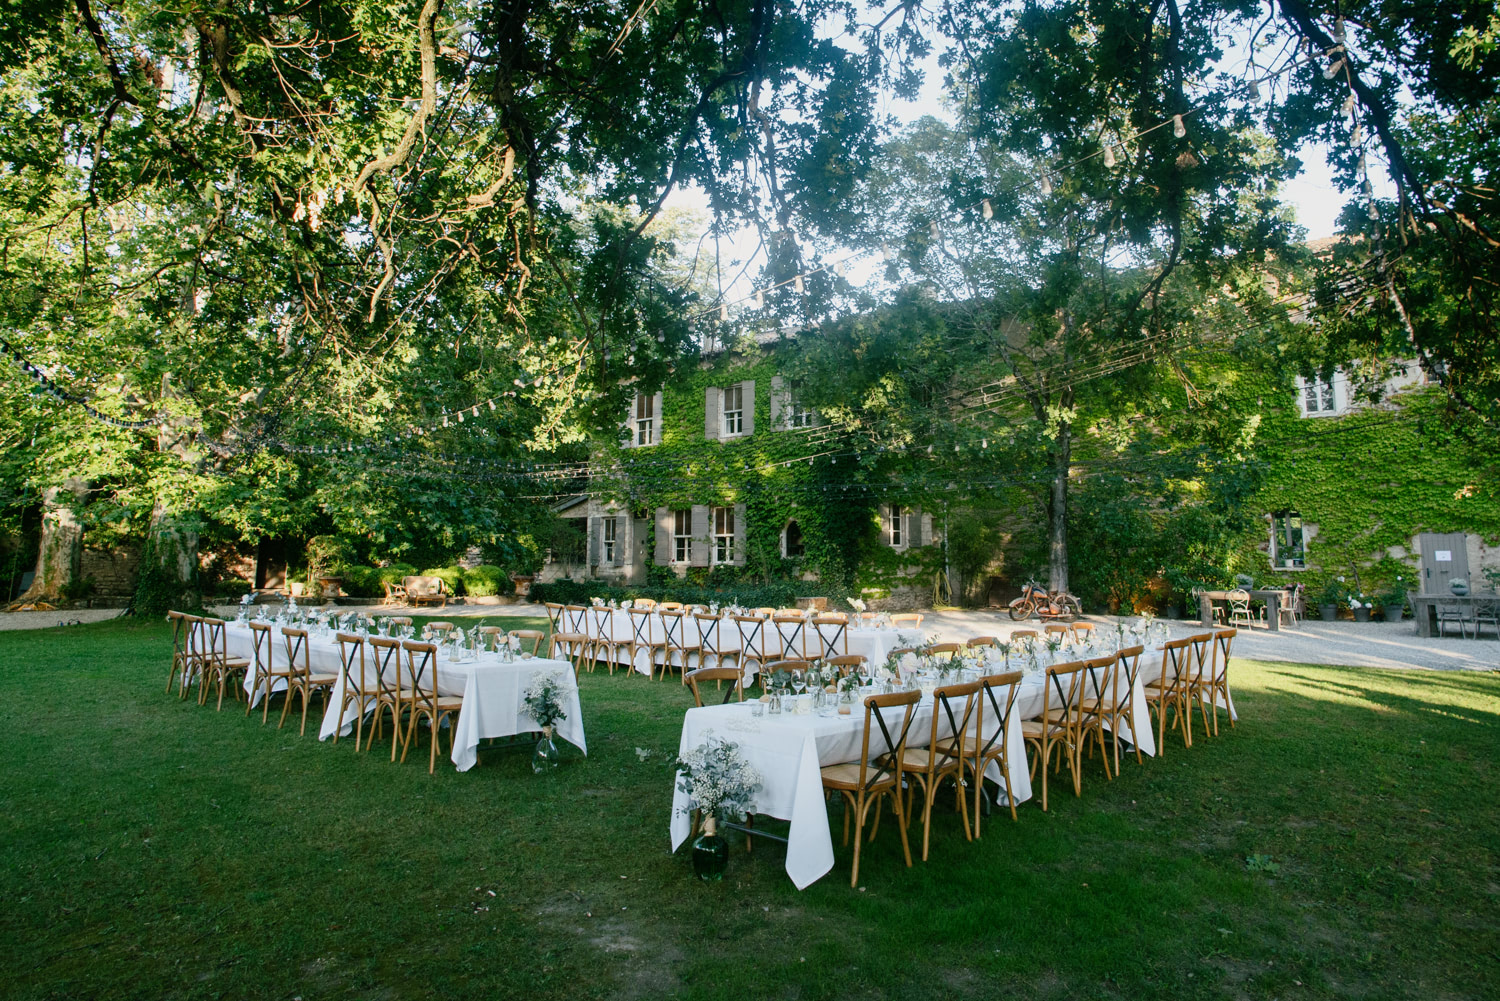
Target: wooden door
1445,557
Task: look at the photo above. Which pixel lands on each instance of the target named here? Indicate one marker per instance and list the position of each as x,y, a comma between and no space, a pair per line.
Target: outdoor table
1273,597
789,749
492,691
1424,608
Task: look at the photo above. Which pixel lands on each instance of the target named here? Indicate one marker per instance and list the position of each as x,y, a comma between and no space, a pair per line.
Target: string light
1046,185
1109,156
1333,69
1178,129
986,210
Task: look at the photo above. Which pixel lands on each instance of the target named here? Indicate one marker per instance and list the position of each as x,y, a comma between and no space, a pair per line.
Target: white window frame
609,537
895,529
798,416
1316,398
723,534
682,535
732,419
645,423
1279,526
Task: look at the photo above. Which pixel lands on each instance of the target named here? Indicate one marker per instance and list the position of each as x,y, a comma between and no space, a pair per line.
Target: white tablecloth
491,689
872,643
789,750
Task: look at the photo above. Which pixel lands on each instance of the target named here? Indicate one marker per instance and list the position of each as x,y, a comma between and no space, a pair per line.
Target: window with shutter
733,414
645,418
611,542
682,535
724,535
895,527
665,522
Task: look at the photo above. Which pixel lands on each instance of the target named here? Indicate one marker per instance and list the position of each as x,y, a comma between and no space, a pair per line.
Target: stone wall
114,570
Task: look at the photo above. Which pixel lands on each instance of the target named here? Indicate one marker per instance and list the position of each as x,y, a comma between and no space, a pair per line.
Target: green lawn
1341,842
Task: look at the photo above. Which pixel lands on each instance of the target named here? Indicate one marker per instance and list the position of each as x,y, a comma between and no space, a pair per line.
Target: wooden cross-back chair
392,696
875,777
361,685
214,662
1024,636
943,649
791,630
1082,631
300,679
1215,682
647,603
1172,689
183,666
1060,725
830,633
752,630
703,675
1062,632
669,606
847,664
533,637
1116,707
607,646
711,640
906,619
678,652
998,700
926,767
975,642
643,638
490,637
427,701
554,613
263,666
1203,651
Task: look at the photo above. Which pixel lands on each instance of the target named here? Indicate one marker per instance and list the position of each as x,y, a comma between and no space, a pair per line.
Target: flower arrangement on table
543,700
858,604
717,780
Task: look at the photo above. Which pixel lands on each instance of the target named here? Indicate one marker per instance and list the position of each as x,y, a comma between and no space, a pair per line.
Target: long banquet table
781,640
491,688
789,749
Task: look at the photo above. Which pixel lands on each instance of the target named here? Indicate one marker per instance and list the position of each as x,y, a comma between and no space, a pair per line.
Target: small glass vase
546,756
710,852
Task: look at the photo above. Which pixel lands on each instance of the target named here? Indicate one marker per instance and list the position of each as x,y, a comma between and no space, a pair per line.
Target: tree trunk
61,554
169,564
1057,509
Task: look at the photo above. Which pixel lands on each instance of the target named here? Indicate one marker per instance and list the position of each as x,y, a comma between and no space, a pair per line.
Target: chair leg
900,826
287,704
859,826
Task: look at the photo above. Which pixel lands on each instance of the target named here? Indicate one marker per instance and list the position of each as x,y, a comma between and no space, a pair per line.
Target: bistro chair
752,630
392,696
525,636
554,613
831,635
575,648
300,679
361,684
263,652
679,652
711,640
868,782
715,674
214,662
1115,706
641,627
975,642
1059,728
1239,608
1172,689
1452,610
490,637
426,701
1293,605
926,767
607,646
1484,612
791,629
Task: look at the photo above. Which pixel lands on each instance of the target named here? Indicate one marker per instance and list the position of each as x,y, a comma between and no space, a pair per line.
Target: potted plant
1360,604
721,784
1334,595
1393,602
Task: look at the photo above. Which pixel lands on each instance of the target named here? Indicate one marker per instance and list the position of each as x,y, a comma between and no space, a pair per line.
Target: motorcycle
1036,600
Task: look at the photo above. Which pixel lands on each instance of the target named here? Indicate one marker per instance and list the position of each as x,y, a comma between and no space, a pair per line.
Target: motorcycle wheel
1020,609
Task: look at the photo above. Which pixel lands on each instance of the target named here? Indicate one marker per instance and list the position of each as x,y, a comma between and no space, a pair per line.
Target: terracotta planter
523,585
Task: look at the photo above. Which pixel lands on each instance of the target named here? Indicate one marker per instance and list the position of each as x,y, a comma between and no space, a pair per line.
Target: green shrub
452,577
233,588
361,582
776,594
486,580
394,573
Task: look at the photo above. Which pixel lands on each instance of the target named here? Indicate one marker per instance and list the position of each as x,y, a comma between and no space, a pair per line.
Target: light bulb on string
1046,185
1333,69
798,285
986,210
932,230
1178,129
1359,134
723,312
840,268
1109,155
885,251
1347,108
1254,94
760,299
1374,211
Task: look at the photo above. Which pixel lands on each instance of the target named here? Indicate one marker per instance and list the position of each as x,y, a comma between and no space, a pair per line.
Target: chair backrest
709,632
1202,645
832,632
752,630
386,655
298,656
214,647
554,612
352,665
1127,670
1176,665
646,603
532,636
846,663
671,625
1024,636
490,637
1082,629
906,618
640,623
791,628
440,627
1101,681
868,616
788,665
1063,690
957,703
670,606
999,699
1223,642
577,618
765,611
890,753
730,674
841,616
179,634
941,649
902,651
697,609
263,648
1239,601
982,641
604,623
399,620
421,672
1054,629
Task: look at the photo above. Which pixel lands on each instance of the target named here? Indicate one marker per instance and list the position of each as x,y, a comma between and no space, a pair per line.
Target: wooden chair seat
846,776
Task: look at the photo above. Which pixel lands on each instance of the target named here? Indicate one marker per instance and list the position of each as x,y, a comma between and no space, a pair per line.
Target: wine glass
799,680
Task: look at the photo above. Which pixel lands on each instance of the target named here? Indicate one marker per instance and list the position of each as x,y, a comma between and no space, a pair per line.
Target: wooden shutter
698,549
713,399
748,386
622,538
739,535
913,534
629,424
596,529
780,402
663,536
658,419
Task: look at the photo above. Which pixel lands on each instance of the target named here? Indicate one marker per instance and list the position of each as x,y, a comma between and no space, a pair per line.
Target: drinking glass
799,681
